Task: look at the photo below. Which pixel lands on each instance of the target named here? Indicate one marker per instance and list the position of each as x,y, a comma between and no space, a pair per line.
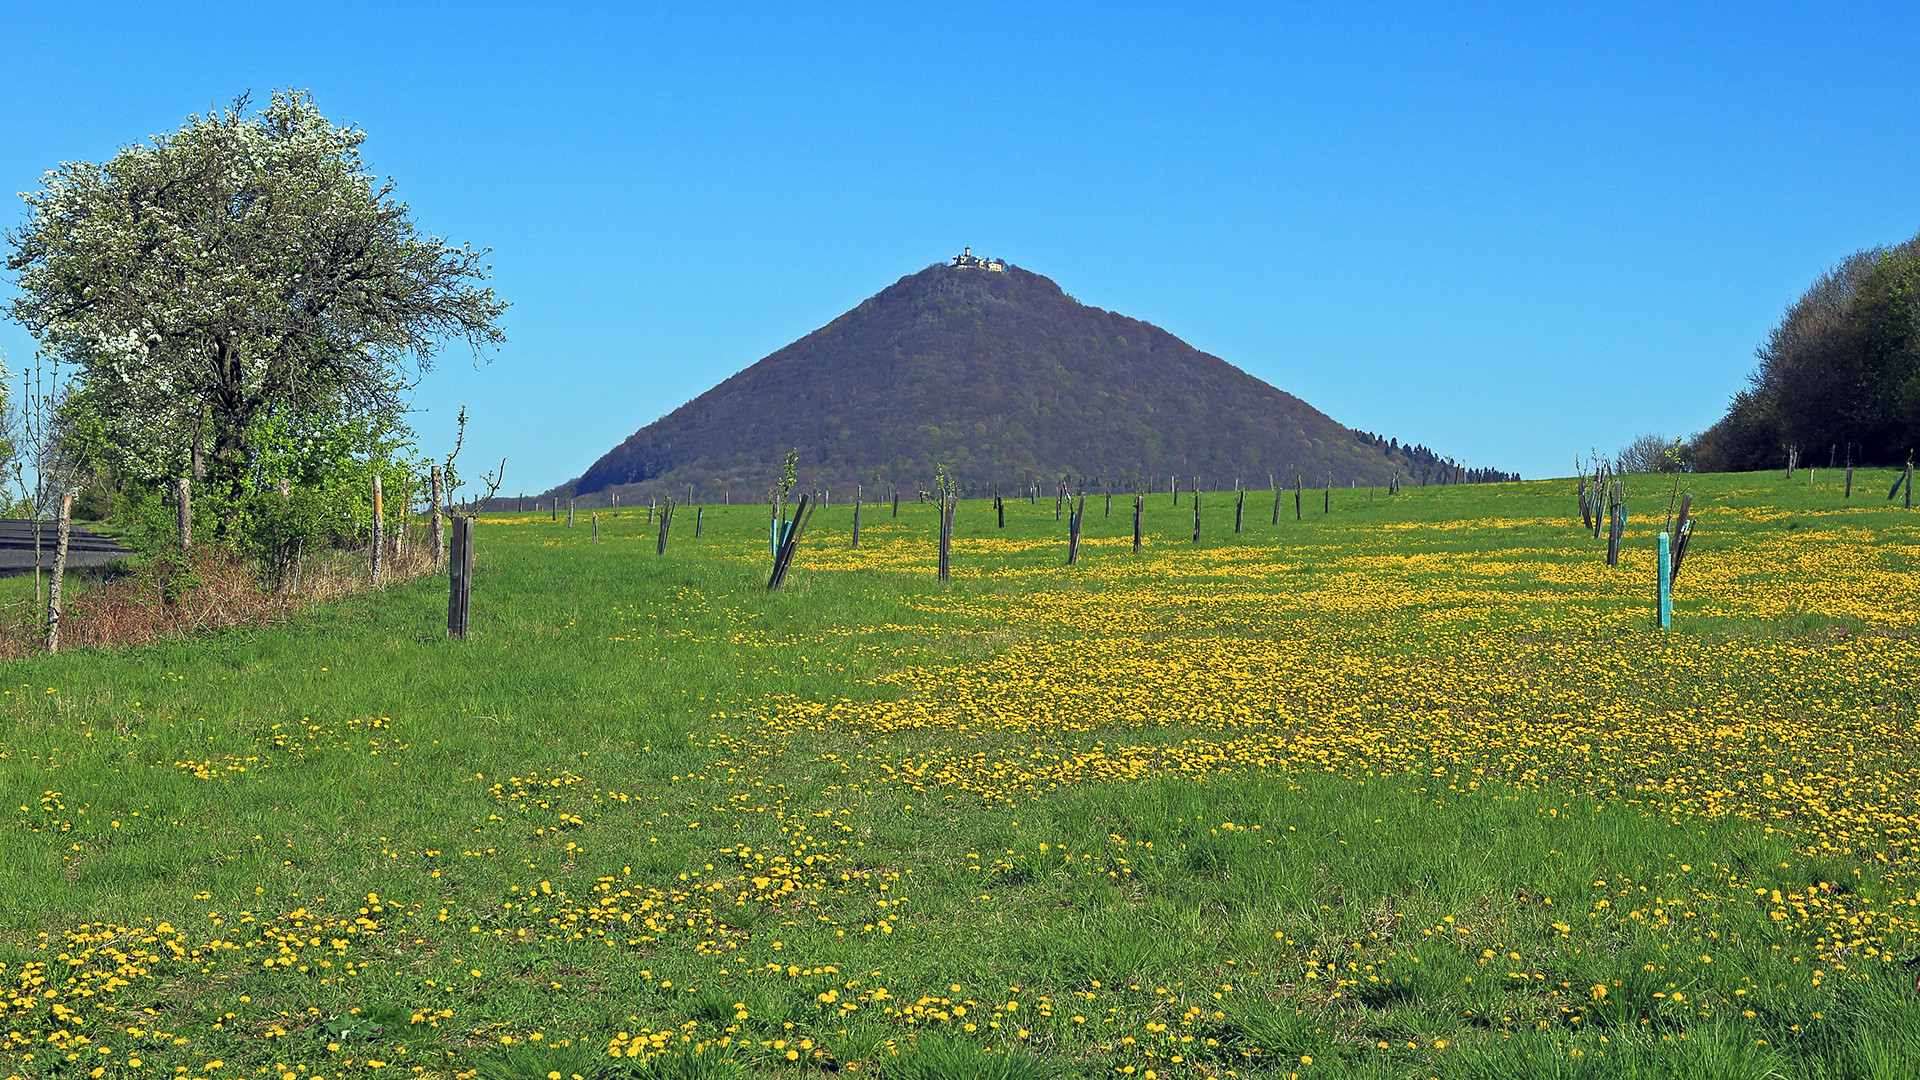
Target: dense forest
1008,381
1838,379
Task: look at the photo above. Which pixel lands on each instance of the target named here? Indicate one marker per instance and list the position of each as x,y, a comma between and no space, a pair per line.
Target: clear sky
1510,233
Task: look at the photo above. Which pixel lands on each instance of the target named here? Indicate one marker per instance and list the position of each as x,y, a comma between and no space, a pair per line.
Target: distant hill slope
1006,379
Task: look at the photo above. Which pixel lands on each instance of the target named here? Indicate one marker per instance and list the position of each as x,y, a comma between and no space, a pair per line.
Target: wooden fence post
1849,493
666,525
570,513
699,517
1239,509
1196,513
596,528
1000,512
460,577
1139,504
54,587
1297,489
896,502
856,520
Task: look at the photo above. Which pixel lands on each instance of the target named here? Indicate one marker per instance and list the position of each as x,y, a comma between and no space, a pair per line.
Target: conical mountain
1001,376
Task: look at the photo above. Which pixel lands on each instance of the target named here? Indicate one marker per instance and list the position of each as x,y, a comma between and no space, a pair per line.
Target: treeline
1839,378
1425,466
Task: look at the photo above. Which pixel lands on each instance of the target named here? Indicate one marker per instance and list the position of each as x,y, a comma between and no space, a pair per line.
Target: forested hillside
1007,380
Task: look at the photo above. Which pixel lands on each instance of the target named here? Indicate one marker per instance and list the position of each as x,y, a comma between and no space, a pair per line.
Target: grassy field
1411,789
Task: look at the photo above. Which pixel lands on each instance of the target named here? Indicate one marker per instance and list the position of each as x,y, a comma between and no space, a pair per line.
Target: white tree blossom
246,264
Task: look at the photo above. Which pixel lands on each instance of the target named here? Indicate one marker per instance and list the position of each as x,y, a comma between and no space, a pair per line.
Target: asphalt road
84,548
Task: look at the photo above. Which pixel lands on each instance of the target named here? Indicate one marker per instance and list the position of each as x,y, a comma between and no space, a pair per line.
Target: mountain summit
997,373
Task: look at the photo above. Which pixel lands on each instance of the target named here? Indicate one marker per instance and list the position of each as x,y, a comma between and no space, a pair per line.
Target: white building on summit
968,258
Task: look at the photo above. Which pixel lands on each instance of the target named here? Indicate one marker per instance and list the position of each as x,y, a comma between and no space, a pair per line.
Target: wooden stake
1073,532
947,504
1682,530
1139,504
790,543
460,577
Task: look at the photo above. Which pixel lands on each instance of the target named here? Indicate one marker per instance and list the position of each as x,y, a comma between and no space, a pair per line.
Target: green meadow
1414,788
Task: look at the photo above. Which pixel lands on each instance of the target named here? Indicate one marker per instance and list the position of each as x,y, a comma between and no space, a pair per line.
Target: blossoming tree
245,267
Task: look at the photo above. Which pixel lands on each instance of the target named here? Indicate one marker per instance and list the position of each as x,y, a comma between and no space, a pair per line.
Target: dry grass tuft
216,590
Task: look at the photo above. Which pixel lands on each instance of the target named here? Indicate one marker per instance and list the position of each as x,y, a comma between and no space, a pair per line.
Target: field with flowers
1408,789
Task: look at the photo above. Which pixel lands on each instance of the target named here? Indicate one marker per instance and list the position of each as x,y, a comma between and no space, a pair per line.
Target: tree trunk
59,573
186,514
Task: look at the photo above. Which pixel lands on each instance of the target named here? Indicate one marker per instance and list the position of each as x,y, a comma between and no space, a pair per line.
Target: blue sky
1509,233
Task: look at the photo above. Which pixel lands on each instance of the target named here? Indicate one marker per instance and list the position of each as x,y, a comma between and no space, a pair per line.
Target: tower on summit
969,259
